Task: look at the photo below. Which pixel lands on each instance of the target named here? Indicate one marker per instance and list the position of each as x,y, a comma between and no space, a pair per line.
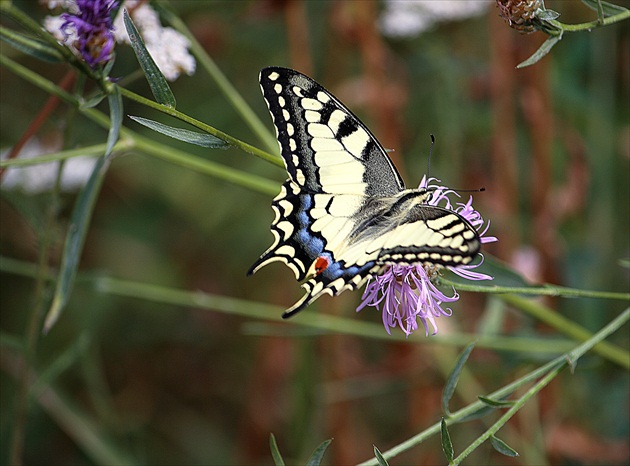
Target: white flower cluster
168,47
42,177
409,18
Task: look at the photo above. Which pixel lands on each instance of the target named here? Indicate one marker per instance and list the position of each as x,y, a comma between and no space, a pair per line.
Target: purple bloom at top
92,26
405,294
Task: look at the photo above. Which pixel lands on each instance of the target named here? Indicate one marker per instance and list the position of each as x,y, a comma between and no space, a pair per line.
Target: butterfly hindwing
344,213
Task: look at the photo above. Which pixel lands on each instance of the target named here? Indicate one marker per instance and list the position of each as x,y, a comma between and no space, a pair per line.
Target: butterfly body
344,213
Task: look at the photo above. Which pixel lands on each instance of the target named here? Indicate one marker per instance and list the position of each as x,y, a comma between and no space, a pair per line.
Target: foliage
130,334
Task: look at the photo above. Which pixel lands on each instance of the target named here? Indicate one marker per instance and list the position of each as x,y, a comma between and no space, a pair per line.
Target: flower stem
202,126
239,104
567,327
591,24
545,290
547,371
181,158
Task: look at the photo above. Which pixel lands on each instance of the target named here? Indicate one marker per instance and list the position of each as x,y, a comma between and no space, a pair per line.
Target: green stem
545,290
238,177
202,126
552,367
250,181
567,327
94,150
591,24
224,84
570,359
317,322
508,415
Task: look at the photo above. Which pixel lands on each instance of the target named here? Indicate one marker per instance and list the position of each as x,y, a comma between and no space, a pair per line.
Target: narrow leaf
608,9
161,91
192,137
116,117
30,46
451,382
379,457
547,15
275,453
81,216
318,454
543,50
502,447
495,403
447,445
94,101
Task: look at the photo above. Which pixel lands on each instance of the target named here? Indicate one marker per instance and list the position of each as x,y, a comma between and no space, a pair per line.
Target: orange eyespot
321,264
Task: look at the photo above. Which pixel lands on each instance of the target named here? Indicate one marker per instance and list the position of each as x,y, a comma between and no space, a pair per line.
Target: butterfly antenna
482,189
430,154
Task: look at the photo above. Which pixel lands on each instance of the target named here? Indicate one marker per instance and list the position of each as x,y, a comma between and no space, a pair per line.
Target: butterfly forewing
326,149
343,214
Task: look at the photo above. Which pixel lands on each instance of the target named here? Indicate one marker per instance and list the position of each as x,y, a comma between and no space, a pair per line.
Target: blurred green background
156,383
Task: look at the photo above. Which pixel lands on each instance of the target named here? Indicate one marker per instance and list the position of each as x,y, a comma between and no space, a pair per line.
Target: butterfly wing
325,147
335,165
343,214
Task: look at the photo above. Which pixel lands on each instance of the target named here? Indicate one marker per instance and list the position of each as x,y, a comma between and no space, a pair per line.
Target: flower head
520,14
406,293
91,28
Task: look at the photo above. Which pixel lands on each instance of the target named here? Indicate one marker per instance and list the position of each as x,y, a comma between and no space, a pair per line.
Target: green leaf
81,216
502,447
94,101
192,137
116,117
30,46
608,9
161,91
451,382
447,445
496,403
543,50
318,454
275,453
547,15
379,457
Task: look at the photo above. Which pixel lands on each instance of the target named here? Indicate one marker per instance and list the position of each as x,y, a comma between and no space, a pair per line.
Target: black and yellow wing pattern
344,213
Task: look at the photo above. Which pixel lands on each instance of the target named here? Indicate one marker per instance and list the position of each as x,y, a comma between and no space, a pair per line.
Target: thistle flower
88,28
520,14
91,29
405,294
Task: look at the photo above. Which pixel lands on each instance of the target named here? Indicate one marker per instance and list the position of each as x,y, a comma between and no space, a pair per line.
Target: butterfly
344,214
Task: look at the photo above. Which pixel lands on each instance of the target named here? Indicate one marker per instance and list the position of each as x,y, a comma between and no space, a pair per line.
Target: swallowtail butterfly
344,214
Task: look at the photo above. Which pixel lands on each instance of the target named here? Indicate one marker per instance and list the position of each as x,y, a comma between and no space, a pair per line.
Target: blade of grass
81,216
159,87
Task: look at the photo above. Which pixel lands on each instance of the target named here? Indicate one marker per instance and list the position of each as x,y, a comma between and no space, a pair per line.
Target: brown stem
66,82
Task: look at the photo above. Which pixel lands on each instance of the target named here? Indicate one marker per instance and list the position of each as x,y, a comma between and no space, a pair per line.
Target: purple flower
406,294
92,26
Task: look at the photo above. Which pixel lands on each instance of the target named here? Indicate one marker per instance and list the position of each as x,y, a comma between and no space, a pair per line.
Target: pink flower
406,294
92,26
